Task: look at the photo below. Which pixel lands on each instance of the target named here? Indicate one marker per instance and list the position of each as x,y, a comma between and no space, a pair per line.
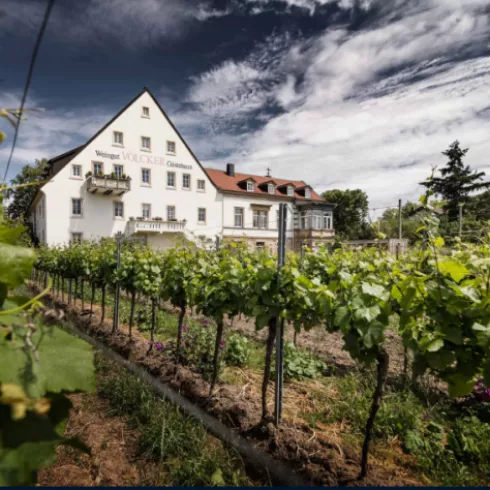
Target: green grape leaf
342,316
374,290
65,364
15,264
19,466
217,478
459,385
453,269
435,345
439,242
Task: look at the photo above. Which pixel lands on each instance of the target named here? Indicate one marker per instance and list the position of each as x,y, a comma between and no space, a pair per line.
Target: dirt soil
315,454
114,459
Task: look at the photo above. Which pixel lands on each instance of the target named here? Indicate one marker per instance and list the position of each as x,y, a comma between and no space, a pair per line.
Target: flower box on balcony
157,218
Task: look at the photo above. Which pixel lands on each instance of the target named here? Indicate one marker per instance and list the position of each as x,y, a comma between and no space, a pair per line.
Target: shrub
299,364
237,350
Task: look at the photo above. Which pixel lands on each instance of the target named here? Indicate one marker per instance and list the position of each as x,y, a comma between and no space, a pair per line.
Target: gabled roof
267,182
66,157
227,183
248,179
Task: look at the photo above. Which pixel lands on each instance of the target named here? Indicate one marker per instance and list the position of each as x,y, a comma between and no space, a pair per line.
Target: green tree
457,181
411,221
22,196
351,213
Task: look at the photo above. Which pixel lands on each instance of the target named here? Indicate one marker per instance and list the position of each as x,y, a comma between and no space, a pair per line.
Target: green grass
451,444
189,455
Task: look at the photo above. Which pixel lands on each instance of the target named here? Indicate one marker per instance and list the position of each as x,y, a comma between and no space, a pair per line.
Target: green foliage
38,365
457,181
299,365
237,350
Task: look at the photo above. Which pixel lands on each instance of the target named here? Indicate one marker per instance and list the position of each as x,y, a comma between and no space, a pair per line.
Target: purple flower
187,344
149,342
159,346
330,363
222,343
479,380
204,322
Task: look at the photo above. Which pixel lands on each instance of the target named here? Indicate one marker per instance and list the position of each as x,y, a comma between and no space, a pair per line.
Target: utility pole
281,259
399,219
217,243
115,321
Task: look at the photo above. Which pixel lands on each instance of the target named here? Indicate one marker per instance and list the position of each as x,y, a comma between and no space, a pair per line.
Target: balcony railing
107,185
155,226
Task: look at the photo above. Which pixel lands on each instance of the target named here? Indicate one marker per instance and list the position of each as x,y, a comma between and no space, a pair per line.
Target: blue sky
340,93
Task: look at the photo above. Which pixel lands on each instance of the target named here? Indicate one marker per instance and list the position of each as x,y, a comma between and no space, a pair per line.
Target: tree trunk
131,313
75,292
103,305
83,299
217,345
69,290
268,361
63,289
294,337
179,332
382,368
153,323
92,301
58,285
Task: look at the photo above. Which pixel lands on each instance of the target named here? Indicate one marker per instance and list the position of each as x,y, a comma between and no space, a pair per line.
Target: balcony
106,184
155,226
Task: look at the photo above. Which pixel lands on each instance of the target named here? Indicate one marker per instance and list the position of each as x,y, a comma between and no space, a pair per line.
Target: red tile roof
225,182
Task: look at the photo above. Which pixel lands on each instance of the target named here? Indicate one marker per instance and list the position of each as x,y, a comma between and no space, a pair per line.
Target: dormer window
250,186
270,188
290,190
307,193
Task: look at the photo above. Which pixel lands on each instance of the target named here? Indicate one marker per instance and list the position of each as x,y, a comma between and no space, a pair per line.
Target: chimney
230,169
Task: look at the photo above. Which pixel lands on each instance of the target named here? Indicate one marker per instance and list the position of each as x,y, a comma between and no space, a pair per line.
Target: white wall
97,219
239,201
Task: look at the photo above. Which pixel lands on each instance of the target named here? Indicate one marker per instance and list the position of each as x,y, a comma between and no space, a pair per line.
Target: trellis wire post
115,326
281,258
217,243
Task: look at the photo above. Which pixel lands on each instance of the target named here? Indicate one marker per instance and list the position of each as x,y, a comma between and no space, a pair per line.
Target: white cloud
260,6
46,134
370,109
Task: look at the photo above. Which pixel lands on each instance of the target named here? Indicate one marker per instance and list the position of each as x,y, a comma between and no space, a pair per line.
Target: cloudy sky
340,93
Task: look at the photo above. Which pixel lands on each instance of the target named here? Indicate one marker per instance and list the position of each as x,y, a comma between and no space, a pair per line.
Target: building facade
138,176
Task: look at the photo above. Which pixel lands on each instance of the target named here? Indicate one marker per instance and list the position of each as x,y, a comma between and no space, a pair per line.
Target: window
186,181
171,179
239,217
145,176
201,215
171,147
118,209
260,246
304,220
317,221
146,211
145,112
76,171
260,219
118,138
327,221
76,207
171,213
308,193
118,171
145,143
76,238
290,190
201,185
270,188
250,186
97,168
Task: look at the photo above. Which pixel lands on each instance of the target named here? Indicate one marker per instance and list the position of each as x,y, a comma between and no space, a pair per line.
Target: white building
137,175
